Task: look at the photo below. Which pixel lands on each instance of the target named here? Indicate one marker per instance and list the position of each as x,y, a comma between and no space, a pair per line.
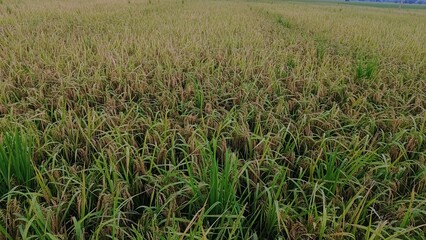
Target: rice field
201,119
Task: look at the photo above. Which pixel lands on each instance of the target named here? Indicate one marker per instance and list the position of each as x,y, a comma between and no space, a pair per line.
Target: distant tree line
394,1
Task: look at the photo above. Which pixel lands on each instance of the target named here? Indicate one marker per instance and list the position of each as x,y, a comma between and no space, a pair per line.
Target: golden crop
160,119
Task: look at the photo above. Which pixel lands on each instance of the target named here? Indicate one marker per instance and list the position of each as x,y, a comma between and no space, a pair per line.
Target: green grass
211,120
16,168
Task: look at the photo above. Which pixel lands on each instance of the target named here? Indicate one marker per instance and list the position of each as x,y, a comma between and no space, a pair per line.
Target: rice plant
16,167
211,120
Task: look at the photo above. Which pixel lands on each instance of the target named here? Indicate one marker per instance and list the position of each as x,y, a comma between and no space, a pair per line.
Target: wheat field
197,119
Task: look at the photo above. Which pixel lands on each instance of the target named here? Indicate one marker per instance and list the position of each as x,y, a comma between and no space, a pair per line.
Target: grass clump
282,22
16,167
367,68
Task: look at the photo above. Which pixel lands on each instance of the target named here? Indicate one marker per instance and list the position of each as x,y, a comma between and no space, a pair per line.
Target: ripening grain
160,119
